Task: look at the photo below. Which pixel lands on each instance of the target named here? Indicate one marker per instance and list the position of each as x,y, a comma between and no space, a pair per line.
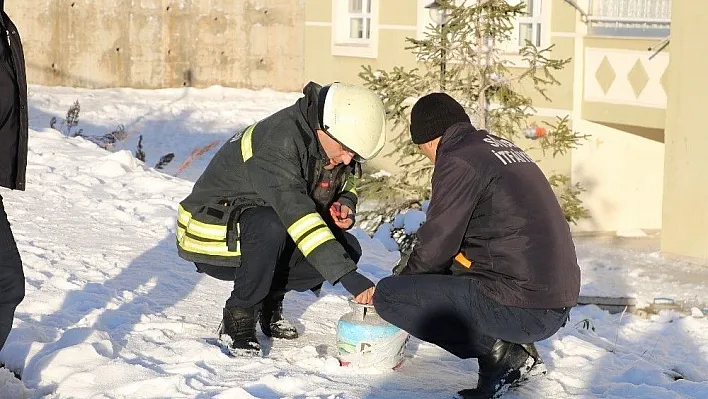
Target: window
529,24
533,25
638,18
354,24
360,19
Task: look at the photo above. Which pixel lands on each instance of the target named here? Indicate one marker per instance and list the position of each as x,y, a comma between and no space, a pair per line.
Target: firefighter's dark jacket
13,98
493,204
277,162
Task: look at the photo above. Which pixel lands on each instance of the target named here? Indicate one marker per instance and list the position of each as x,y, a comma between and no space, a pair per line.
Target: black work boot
239,325
502,368
538,367
272,322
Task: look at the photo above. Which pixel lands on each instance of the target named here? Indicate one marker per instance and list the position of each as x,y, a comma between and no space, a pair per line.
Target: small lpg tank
366,340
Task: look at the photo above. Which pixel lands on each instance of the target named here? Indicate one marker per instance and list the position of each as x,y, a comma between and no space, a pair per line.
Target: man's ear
428,145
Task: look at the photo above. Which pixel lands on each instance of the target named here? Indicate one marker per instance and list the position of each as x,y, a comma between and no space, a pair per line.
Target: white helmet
355,117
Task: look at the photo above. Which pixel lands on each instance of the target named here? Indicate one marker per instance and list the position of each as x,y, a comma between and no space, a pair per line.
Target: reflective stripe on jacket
204,238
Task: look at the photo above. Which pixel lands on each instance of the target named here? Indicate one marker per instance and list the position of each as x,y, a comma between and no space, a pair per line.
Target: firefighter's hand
342,215
366,297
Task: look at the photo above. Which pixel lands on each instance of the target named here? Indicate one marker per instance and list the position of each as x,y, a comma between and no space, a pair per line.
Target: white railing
651,18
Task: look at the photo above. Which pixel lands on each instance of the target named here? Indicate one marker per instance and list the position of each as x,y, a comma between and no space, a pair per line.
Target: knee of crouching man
382,294
15,290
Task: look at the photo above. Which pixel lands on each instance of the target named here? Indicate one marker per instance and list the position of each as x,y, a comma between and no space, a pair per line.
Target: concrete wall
685,214
163,43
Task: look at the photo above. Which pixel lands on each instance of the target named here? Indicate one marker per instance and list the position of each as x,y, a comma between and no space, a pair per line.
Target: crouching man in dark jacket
494,269
13,162
271,210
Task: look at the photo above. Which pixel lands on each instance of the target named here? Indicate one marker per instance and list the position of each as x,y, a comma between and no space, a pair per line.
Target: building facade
685,216
614,89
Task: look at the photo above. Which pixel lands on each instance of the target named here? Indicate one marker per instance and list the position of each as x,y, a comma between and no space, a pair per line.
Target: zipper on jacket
316,170
7,32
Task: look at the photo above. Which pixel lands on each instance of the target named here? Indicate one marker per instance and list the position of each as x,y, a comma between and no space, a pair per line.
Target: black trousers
271,264
452,312
12,279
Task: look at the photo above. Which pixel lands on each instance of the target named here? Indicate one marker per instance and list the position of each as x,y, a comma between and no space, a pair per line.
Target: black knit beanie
433,114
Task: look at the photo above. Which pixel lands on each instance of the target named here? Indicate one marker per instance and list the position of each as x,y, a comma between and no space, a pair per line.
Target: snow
633,268
631,233
170,121
409,221
383,235
112,312
11,387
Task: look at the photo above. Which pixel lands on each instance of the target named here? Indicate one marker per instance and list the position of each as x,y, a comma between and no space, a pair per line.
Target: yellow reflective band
180,233
200,229
182,215
305,224
208,248
350,185
247,144
208,231
314,240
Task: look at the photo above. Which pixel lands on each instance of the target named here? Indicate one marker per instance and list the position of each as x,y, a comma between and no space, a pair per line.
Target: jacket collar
308,133
454,134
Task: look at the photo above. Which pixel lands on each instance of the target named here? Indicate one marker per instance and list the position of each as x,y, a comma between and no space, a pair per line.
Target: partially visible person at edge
270,211
494,268
13,162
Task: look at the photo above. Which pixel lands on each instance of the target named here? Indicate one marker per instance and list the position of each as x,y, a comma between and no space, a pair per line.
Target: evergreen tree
465,57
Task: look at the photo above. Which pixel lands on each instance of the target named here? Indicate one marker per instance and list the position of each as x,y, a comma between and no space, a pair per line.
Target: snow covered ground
112,312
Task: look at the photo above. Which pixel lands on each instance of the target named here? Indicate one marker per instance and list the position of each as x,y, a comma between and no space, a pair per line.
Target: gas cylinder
535,132
365,340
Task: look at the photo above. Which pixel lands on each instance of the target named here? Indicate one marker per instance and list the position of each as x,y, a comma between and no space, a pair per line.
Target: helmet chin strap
321,97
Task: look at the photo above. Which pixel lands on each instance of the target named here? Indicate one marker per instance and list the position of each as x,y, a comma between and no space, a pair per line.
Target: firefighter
271,211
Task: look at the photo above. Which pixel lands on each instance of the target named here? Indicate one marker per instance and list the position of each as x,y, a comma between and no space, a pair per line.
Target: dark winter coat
13,107
277,162
493,204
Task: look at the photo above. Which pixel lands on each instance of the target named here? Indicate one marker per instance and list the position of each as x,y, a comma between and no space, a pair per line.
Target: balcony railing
639,18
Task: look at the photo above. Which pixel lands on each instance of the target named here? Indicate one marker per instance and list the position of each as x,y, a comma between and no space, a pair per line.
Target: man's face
428,150
336,153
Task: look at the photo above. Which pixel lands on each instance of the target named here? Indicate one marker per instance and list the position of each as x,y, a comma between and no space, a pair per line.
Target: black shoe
504,367
239,327
272,322
538,367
